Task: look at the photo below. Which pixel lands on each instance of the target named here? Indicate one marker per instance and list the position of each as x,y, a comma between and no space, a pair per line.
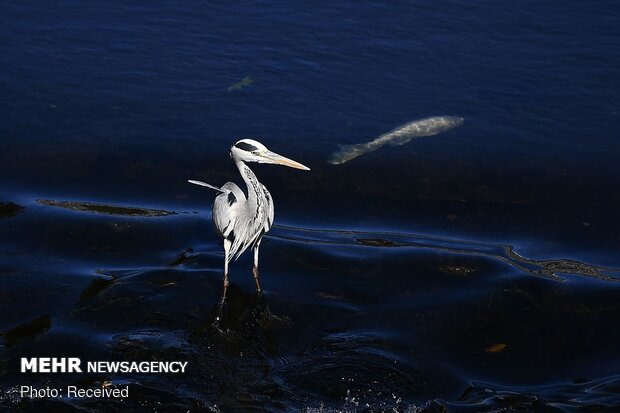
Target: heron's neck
251,181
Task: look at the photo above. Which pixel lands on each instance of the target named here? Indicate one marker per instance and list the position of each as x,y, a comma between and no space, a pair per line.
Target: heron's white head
249,150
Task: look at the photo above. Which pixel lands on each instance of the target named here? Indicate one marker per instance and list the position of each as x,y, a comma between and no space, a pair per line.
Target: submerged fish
399,136
246,81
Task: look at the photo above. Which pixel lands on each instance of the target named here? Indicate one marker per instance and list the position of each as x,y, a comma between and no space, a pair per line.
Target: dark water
473,271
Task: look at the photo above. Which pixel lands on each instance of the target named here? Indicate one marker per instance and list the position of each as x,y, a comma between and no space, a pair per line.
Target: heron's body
242,218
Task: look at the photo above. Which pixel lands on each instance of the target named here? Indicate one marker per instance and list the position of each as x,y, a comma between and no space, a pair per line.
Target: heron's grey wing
247,230
250,225
234,220
270,209
226,209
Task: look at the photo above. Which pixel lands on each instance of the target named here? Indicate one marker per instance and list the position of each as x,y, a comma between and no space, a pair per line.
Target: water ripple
542,268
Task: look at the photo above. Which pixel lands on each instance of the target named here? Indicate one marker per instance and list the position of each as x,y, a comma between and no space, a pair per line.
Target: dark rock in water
106,209
31,329
9,209
95,287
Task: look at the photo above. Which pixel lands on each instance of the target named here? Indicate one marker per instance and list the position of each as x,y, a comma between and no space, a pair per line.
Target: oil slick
246,81
399,136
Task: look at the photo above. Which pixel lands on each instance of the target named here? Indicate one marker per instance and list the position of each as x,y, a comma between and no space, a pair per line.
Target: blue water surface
120,103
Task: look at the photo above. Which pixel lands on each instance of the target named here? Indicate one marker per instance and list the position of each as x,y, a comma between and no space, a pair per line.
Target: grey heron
242,219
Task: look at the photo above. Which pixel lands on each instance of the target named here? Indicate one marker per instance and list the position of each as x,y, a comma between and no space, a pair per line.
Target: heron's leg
255,268
227,245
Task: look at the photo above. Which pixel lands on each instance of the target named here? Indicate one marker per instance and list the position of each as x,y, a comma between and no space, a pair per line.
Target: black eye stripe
246,146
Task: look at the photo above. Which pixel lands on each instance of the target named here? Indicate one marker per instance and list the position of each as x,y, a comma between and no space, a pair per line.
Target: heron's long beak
272,157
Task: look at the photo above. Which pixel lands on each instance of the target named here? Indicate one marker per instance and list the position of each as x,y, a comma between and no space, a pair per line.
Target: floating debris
106,209
246,81
377,242
495,348
183,257
459,270
399,136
